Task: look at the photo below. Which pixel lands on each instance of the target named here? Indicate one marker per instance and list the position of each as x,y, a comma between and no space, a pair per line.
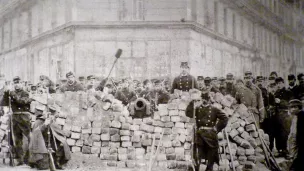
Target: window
138,10
225,22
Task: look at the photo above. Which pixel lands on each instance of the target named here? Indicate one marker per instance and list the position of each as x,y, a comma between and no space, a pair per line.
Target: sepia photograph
150,85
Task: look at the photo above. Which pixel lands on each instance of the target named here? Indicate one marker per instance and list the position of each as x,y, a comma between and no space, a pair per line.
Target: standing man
184,81
295,138
71,84
81,80
125,94
257,106
230,87
209,121
90,82
209,87
222,86
269,103
21,118
282,119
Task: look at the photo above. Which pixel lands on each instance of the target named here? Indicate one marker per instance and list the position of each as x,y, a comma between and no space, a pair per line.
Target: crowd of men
277,109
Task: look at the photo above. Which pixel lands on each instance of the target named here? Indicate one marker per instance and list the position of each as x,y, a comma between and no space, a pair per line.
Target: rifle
270,160
10,134
50,150
228,142
194,150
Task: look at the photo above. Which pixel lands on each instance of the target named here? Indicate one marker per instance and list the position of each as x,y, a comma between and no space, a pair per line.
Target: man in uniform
209,87
222,86
147,88
184,81
81,80
71,84
282,119
90,82
269,103
257,107
125,94
21,118
200,82
157,95
209,121
230,87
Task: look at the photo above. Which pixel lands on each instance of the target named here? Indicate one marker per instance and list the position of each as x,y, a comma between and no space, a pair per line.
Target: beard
292,84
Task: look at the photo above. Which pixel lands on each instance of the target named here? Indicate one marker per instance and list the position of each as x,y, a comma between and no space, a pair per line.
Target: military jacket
158,97
285,96
298,92
208,116
20,101
184,83
72,87
125,95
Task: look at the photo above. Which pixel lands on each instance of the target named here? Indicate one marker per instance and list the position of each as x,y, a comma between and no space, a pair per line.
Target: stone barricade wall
119,140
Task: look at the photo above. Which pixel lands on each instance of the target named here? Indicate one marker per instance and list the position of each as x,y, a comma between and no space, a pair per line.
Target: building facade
52,37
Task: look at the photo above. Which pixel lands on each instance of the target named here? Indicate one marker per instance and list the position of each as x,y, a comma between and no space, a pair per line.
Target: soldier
269,104
125,95
222,86
292,83
230,87
257,105
282,119
200,82
158,95
38,148
46,83
90,82
184,81
147,88
209,87
81,80
71,84
21,118
295,138
209,121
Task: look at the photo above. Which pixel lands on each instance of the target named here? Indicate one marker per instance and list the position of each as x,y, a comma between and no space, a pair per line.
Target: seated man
41,143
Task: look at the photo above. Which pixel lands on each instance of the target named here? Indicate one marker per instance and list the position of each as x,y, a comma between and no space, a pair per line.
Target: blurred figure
71,84
299,89
46,83
200,82
273,74
282,119
222,85
295,138
292,83
230,87
82,81
209,87
90,82
125,94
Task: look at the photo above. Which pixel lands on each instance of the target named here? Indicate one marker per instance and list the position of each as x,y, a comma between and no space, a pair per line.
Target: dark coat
184,83
298,92
297,164
285,96
38,143
207,139
20,101
72,87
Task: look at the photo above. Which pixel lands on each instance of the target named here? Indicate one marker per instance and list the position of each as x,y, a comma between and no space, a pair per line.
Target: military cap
81,78
214,78
271,78
200,78
274,73
291,77
157,82
248,73
229,76
260,78
69,74
279,79
300,76
295,102
207,79
222,79
16,79
184,65
90,77
146,81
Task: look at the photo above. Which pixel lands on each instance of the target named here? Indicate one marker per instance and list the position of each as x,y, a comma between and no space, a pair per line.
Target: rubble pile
99,125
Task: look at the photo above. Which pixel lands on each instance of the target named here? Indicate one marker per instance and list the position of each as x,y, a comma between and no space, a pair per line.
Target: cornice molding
134,25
